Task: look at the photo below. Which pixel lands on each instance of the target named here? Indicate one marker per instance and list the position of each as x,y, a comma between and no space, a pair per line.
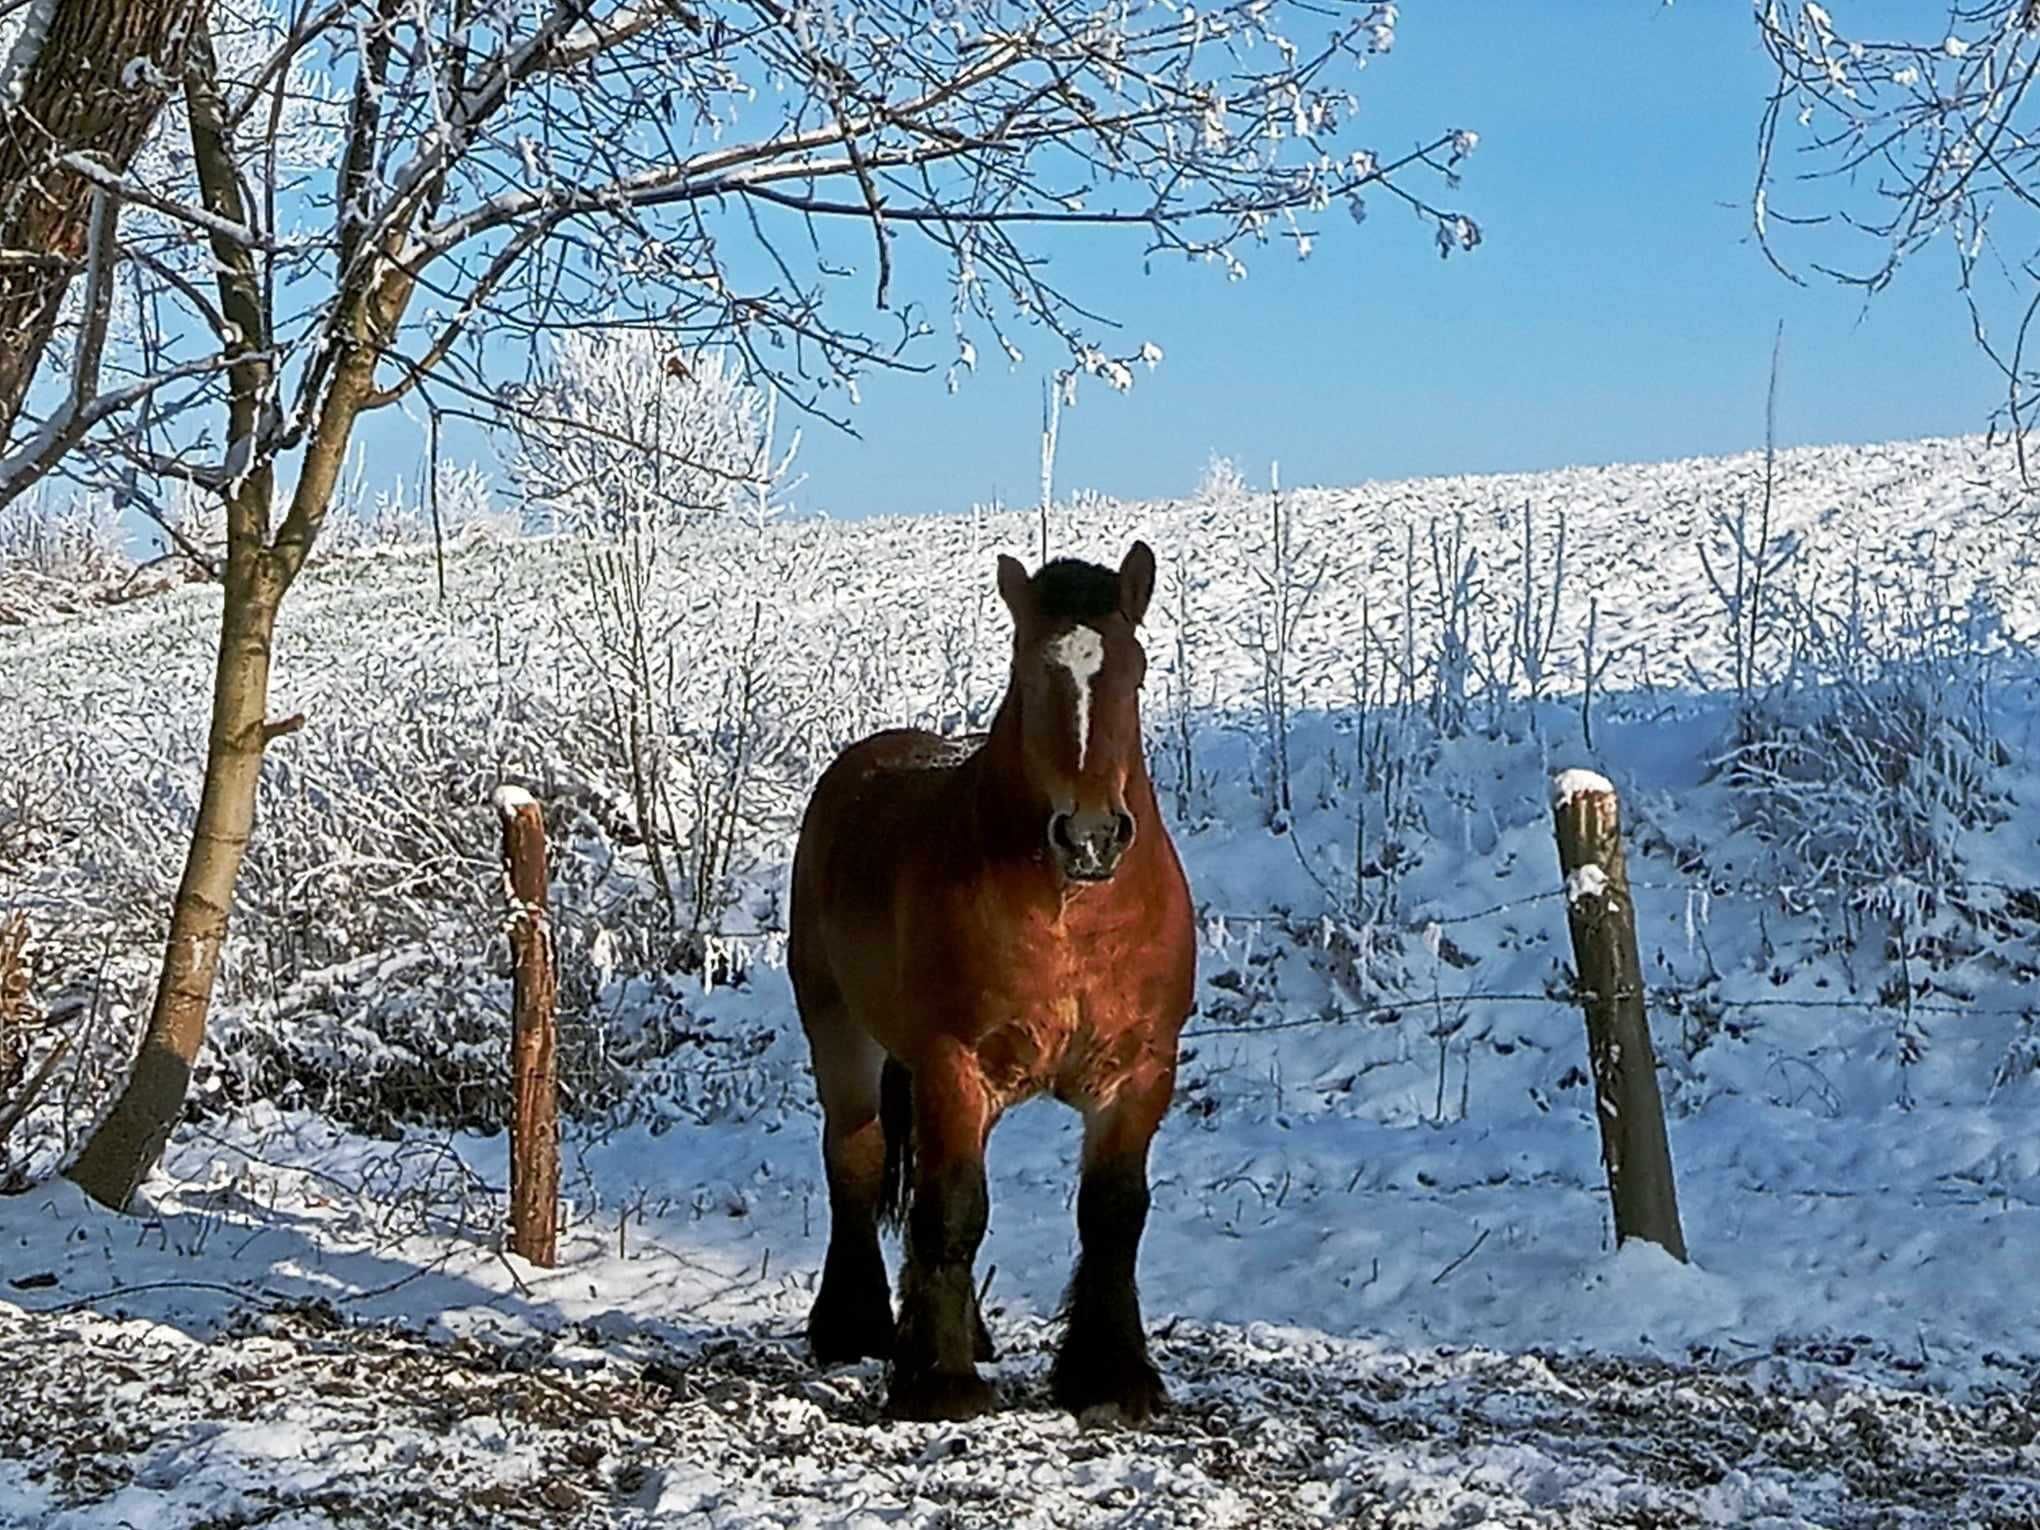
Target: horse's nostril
1123,830
1059,832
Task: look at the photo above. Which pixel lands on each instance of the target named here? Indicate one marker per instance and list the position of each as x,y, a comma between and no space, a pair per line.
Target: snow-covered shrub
373,984
1533,622
197,523
1867,765
416,1031
75,538
1221,482
709,741
1746,558
1457,591
638,447
420,1035
404,515
628,432
468,504
1290,577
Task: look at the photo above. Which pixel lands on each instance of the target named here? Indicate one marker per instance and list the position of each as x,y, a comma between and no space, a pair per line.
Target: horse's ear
1014,589
1137,581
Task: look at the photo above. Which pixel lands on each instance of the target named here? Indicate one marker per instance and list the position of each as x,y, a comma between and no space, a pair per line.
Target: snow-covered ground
1379,1264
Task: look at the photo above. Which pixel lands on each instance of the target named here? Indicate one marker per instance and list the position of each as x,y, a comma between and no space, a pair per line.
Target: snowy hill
1818,704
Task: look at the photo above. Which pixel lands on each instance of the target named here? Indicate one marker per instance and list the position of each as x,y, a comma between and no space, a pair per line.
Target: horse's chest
1061,1029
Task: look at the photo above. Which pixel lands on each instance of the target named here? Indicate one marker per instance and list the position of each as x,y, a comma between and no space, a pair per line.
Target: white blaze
1081,651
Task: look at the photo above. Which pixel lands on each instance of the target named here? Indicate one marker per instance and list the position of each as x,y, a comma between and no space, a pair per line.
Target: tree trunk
130,1140
94,84
260,570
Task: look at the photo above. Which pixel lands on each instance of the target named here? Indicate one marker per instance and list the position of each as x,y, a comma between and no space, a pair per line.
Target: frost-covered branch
37,456
1901,140
128,190
430,196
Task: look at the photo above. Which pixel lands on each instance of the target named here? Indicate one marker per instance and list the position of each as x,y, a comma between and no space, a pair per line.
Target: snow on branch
85,167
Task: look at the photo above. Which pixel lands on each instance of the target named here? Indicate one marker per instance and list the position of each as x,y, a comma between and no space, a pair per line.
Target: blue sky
1617,310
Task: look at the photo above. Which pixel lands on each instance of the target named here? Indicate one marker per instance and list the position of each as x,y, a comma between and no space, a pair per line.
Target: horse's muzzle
1088,846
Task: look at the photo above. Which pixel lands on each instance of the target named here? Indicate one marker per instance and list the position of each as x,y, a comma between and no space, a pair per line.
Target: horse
972,923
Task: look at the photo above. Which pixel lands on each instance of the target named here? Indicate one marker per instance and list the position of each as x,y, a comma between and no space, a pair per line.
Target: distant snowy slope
1414,636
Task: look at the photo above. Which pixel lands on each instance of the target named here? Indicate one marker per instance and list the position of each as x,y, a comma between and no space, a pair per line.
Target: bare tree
1904,140
497,177
633,445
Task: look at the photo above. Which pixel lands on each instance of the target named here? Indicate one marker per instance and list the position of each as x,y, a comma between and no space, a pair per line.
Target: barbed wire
1384,1014
604,1078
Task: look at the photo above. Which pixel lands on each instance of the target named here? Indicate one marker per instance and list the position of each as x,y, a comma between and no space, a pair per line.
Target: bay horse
974,922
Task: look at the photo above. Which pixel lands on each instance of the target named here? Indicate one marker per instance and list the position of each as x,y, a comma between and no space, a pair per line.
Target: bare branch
42,452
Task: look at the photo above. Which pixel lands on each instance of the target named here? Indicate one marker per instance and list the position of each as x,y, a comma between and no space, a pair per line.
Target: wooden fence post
534,1078
1587,820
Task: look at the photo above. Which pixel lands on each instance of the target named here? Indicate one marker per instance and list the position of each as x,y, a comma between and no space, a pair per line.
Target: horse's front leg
1102,1369
934,1372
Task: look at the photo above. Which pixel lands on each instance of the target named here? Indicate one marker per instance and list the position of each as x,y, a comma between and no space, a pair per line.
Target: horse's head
1077,671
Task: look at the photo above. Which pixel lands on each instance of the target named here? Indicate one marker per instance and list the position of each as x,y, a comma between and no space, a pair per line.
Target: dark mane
1069,589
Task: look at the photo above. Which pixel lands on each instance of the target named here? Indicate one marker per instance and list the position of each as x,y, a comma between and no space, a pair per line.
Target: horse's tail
896,1122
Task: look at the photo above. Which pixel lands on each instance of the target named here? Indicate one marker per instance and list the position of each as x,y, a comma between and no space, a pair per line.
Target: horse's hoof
1104,1391
939,1397
839,1335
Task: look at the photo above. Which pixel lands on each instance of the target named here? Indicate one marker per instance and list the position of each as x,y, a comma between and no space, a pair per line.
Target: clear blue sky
1617,310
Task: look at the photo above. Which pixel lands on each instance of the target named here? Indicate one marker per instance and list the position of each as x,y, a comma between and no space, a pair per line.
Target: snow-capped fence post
1587,819
534,1077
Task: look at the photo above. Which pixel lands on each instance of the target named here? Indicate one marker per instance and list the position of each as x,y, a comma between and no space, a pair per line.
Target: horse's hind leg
940,1333
852,1316
1103,1363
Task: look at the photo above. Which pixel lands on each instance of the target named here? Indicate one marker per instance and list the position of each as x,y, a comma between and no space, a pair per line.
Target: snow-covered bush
1865,768
71,537
628,432
404,515
1221,482
420,1035
637,447
197,523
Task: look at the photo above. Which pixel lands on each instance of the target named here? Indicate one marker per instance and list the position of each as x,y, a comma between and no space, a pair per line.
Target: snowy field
1379,1267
